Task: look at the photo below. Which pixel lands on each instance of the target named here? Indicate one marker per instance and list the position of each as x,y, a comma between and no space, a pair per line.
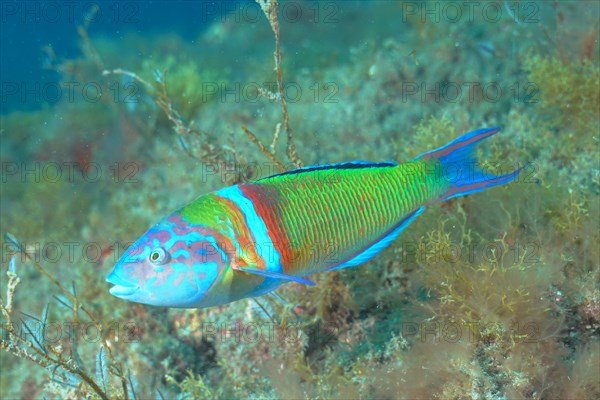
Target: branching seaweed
209,152
67,370
271,9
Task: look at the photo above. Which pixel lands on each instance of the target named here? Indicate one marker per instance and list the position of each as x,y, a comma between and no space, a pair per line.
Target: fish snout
121,286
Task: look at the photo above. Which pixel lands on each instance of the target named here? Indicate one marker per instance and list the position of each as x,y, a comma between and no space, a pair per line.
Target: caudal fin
461,168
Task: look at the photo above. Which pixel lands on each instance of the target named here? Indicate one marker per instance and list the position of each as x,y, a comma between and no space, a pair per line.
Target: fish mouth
121,291
122,287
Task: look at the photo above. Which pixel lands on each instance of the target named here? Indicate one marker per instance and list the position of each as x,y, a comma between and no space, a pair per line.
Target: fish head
174,264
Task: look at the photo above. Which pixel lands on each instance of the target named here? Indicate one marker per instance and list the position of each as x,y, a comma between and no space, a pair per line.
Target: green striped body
246,240
320,218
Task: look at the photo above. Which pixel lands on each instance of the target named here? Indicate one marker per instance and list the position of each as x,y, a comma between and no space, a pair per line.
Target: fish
246,240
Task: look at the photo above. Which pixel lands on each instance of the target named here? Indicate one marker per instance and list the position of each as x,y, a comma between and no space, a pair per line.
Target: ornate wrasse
248,239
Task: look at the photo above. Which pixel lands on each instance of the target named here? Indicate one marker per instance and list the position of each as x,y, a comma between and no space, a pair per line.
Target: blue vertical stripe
256,226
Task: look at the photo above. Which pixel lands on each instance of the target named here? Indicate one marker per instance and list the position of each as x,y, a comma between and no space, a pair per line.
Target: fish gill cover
113,114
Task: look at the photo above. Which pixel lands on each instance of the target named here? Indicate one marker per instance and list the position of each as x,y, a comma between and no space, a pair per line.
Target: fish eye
158,256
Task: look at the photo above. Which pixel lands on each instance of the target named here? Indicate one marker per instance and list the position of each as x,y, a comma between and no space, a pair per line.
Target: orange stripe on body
266,205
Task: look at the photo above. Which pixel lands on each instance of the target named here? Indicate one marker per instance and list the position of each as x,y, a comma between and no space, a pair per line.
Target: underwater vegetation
492,296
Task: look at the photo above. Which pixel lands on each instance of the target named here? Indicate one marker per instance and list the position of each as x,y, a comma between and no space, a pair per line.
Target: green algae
568,92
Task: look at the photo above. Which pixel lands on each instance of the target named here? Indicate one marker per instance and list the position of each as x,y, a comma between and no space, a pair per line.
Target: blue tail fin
466,175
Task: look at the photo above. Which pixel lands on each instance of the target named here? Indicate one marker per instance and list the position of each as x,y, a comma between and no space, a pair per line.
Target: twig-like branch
76,305
275,137
161,98
88,47
270,155
271,9
13,281
159,93
43,359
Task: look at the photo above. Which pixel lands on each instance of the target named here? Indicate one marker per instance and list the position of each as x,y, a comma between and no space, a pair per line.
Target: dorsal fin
344,165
